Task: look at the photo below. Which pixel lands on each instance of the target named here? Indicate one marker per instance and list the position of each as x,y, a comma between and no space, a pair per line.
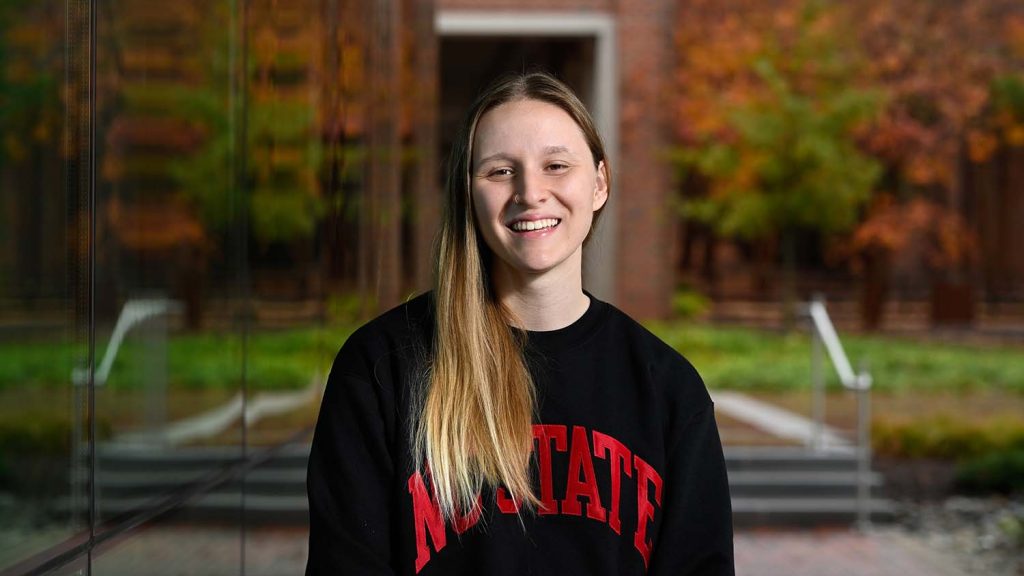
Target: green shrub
35,435
689,303
1000,472
946,438
349,307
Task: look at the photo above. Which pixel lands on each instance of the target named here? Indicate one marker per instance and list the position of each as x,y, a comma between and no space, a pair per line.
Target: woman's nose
532,189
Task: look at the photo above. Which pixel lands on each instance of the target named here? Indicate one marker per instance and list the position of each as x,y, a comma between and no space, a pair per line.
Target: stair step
114,457
779,485
260,509
789,458
798,484
177,477
806,511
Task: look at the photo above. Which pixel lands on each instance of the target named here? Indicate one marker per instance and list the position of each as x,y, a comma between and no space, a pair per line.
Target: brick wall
645,228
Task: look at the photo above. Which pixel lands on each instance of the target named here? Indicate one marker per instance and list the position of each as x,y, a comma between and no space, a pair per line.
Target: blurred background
200,200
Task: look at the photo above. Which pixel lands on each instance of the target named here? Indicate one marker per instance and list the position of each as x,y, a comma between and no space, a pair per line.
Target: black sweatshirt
627,461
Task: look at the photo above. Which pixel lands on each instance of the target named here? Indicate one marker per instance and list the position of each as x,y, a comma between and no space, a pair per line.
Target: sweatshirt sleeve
349,478
696,535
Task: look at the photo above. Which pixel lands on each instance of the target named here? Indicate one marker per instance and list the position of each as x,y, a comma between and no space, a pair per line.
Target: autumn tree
31,119
949,71
902,92
769,115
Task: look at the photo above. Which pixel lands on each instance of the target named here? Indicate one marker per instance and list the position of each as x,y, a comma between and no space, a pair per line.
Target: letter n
427,518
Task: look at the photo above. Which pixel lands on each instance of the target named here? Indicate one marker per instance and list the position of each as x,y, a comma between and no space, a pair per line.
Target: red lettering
461,523
427,518
644,509
544,434
507,504
580,462
581,484
619,461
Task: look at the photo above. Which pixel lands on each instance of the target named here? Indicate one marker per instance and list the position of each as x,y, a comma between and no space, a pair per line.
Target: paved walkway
775,421
885,552
211,551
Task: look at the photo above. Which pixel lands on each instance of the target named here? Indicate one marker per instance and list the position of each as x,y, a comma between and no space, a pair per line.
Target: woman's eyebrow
547,151
498,156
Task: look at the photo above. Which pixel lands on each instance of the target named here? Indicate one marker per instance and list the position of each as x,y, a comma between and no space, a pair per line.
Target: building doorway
475,48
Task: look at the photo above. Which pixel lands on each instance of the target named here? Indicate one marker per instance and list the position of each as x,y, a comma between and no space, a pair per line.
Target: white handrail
133,313
824,332
827,332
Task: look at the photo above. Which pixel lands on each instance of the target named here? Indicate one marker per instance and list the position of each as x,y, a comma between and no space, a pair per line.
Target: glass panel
79,567
174,548
296,166
233,241
42,274
170,272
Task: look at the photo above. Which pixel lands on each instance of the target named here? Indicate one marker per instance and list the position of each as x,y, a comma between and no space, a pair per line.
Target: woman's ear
601,186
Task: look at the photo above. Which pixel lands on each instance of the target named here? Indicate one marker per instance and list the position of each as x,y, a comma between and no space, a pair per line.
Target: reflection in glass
169,373
193,217
41,328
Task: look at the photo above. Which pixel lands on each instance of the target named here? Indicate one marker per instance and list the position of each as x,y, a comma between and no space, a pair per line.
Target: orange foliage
154,226
891,226
935,61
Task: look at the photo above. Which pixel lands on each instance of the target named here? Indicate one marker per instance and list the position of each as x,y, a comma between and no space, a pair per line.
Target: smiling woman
535,188
508,422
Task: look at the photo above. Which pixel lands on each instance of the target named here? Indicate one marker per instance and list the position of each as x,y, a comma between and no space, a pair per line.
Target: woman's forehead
527,127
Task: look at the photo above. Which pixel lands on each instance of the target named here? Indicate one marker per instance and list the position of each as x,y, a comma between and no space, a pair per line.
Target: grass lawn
274,360
732,358
753,360
913,380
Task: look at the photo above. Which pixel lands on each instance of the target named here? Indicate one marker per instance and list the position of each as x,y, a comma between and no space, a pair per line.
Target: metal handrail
133,314
824,333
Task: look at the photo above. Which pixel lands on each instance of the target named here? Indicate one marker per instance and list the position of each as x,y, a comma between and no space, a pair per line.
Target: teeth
525,226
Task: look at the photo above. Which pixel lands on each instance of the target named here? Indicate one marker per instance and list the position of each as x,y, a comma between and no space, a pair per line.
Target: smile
532,225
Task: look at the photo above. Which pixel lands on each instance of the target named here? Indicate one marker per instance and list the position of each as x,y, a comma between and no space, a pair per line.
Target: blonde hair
474,426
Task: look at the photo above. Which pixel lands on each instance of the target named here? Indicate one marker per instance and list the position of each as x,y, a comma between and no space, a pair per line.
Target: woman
508,422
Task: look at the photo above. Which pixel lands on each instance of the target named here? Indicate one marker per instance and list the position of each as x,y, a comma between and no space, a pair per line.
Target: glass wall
43,278
198,201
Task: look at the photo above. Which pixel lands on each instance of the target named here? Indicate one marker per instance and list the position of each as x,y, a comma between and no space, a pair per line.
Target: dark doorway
468,64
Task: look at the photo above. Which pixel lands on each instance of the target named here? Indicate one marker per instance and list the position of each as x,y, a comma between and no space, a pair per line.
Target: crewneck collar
571,336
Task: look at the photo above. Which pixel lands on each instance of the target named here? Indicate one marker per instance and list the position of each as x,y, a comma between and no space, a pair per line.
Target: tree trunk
875,290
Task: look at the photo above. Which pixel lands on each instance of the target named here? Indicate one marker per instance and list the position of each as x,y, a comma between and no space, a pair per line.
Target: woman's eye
500,172
557,166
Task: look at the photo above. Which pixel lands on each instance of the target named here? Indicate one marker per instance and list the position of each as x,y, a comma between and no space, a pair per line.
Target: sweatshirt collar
571,336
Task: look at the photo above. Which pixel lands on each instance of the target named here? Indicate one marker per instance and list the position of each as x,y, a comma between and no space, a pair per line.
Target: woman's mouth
534,225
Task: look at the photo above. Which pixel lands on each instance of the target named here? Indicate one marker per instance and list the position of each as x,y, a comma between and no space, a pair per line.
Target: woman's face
535,188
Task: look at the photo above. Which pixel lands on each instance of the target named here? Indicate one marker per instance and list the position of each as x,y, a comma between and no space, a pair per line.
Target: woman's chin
533,268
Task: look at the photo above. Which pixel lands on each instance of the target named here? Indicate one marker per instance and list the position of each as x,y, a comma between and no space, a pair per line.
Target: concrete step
799,484
793,486
790,458
769,485
147,458
219,507
751,512
273,481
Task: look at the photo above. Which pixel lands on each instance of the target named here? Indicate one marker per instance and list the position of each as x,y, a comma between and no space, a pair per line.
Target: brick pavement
182,550
882,552
212,551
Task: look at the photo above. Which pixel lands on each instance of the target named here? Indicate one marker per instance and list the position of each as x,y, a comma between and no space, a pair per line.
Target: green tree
784,155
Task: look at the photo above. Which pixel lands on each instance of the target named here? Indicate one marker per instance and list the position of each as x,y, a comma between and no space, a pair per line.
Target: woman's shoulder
664,362
642,338
405,328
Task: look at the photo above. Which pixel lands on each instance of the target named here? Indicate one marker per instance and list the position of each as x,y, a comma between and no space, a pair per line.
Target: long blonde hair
474,426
